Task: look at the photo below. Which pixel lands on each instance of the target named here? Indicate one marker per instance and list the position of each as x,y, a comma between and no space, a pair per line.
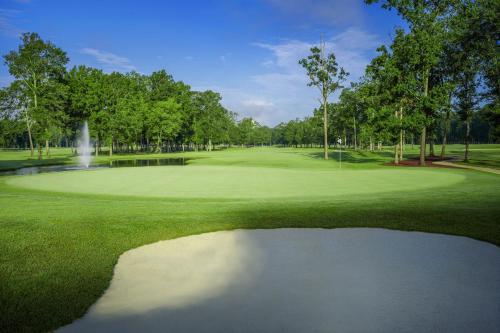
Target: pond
112,164
302,280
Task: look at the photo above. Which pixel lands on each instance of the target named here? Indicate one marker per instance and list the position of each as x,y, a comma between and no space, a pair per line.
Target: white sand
303,280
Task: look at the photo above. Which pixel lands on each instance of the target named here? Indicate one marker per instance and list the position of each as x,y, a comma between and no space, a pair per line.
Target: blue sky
246,50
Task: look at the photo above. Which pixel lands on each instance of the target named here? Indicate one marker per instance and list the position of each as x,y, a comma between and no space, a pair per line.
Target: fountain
84,154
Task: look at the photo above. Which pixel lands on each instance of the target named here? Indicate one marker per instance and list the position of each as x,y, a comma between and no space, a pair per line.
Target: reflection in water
302,280
112,164
147,162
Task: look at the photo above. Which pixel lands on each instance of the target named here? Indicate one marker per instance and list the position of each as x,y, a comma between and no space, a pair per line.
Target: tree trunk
445,132
467,139
422,147
97,147
39,151
396,157
443,144
401,141
396,146
28,125
431,145
355,138
158,145
47,149
423,133
325,125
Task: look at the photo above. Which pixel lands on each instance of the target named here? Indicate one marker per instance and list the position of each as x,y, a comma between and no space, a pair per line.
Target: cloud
267,63
188,58
110,61
280,92
7,25
258,103
352,48
246,103
331,12
225,57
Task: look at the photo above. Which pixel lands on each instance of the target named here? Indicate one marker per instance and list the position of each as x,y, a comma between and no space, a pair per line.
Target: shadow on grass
350,156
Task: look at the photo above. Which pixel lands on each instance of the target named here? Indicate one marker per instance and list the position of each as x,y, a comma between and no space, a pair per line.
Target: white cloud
188,58
257,103
350,48
110,61
267,63
246,103
7,25
280,91
225,56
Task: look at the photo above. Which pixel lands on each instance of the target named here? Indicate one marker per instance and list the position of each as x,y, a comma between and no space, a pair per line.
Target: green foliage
211,120
323,71
164,120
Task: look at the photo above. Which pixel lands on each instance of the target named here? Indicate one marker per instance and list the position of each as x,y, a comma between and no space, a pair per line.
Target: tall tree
164,121
212,120
34,65
325,74
425,19
467,51
87,101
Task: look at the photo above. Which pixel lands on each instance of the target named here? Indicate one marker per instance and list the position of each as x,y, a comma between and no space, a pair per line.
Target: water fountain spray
84,153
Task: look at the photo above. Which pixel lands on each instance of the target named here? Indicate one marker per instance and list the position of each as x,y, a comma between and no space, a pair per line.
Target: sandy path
471,167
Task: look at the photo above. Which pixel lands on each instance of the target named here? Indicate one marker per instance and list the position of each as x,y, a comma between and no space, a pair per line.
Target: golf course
250,166
63,232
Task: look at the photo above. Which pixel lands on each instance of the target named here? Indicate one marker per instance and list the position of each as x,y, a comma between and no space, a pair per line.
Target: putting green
197,181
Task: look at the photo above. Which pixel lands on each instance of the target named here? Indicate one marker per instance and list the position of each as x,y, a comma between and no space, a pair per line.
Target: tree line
436,78
436,81
46,105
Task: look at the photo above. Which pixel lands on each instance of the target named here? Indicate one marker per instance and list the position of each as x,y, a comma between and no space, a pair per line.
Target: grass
61,234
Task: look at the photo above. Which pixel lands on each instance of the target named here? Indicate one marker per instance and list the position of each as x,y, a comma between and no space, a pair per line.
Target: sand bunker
302,280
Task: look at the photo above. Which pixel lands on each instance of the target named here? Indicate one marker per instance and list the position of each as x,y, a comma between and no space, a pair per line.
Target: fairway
249,166
207,182
61,233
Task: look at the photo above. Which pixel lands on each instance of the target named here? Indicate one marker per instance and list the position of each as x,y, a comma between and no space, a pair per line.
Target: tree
87,101
12,111
466,53
51,113
425,19
486,36
325,74
246,127
164,121
211,121
34,65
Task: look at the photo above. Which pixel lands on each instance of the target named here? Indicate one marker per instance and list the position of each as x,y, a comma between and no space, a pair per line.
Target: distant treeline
436,83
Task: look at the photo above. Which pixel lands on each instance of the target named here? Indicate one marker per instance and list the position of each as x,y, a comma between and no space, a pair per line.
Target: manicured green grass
61,234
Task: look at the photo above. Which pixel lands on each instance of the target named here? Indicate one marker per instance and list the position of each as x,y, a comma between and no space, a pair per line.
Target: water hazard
111,164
